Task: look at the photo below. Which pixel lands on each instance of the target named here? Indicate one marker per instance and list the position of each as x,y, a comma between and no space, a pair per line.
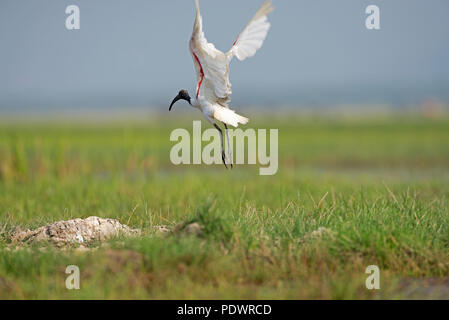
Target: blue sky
135,52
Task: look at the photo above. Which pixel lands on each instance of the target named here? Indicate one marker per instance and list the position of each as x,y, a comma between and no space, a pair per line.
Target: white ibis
213,88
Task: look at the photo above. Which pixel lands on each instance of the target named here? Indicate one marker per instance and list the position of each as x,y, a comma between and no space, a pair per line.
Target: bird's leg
223,157
229,145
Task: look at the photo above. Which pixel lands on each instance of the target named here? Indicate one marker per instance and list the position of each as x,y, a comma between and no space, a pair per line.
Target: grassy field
380,185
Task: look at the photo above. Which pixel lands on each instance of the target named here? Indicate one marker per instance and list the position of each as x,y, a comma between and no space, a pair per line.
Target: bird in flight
213,88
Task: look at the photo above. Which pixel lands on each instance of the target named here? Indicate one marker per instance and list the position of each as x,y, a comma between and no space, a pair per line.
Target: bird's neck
196,103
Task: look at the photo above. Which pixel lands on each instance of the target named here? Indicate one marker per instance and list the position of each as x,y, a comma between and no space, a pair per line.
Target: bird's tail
229,116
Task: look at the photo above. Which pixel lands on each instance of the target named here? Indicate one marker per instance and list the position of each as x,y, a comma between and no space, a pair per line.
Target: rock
321,232
76,231
191,229
161,230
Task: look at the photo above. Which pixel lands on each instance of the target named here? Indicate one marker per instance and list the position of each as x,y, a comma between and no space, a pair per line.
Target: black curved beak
178,97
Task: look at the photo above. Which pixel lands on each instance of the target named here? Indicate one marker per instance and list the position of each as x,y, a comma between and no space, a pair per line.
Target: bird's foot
230,158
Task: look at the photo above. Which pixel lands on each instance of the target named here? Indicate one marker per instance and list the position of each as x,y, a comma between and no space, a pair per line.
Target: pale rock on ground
191,229
161,230
76,231
321,232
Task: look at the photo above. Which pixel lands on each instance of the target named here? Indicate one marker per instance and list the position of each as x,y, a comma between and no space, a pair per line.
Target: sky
134,53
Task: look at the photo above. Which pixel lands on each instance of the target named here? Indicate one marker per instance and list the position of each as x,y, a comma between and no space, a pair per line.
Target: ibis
213,88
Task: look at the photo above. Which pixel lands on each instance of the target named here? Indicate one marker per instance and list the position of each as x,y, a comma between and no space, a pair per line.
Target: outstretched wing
252,37
212,65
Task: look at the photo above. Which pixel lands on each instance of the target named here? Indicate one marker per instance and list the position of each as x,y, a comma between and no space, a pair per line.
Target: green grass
381,185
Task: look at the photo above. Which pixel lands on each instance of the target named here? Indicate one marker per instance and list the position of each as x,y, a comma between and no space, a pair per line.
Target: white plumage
213,88
252,37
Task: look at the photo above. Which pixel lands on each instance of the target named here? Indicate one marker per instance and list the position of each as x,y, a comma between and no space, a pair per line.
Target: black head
184,95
